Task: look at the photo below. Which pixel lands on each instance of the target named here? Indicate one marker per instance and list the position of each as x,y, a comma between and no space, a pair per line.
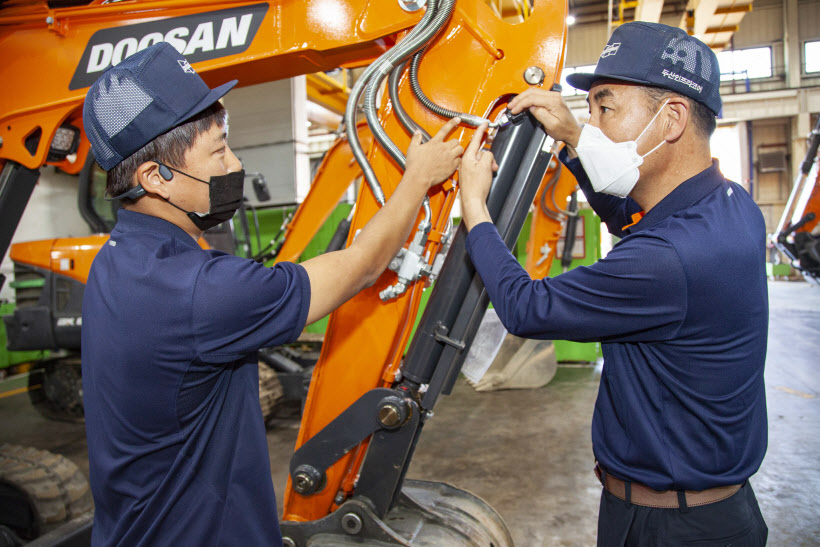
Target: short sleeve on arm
241,306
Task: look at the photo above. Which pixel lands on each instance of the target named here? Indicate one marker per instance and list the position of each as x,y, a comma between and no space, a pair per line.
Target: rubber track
54,485
270,391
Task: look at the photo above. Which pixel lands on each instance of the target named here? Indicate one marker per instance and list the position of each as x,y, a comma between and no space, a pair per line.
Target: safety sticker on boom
199,37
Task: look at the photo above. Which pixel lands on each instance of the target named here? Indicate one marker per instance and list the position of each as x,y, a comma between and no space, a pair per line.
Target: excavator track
270,391
39,491
56,392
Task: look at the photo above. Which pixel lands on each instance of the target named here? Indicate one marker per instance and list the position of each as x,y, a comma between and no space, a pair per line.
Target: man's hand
366,258
475,176
436,160
550,109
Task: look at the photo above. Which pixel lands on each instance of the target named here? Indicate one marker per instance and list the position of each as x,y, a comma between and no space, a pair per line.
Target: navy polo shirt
176,441
680,305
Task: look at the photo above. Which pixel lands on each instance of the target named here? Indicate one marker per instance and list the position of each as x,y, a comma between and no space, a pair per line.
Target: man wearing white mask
679,304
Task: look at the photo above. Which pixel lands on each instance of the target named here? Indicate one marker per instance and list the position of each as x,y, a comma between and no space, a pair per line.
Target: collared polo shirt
680,306
176,440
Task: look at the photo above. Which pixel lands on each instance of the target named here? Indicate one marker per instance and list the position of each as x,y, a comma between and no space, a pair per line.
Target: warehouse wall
268,132
766,25
586,42
783,25
771,189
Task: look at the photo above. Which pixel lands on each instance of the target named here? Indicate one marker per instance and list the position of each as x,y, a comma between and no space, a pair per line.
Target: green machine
10,360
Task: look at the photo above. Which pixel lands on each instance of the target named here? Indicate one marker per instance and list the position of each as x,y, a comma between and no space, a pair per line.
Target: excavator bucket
514,363
521,363
426,514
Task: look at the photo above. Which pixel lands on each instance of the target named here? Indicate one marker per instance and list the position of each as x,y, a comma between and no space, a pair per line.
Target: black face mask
225,194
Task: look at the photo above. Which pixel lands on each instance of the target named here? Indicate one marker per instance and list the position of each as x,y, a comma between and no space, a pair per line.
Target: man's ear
677,117
148,176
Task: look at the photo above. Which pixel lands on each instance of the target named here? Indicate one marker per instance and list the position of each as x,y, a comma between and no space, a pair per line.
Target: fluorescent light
570,20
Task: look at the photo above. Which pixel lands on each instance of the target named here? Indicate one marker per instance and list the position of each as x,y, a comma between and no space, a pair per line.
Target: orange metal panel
545,230
33,253
812,206
294,37
336,173
71,257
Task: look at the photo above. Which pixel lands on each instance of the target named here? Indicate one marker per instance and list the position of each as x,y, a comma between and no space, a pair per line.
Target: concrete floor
528,453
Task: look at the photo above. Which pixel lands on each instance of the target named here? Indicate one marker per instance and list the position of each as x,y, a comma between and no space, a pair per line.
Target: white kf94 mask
612,167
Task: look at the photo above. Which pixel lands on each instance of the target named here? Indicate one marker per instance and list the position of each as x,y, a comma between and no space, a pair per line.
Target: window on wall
740,64
811,56
566,89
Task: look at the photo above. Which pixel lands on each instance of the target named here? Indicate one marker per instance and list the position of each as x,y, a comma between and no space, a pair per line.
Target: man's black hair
169,148
703,119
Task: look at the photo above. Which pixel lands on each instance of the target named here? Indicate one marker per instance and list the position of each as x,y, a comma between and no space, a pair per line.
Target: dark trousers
735,521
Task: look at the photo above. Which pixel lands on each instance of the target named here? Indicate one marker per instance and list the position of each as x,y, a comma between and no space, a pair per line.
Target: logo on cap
610,49
186,66
685,81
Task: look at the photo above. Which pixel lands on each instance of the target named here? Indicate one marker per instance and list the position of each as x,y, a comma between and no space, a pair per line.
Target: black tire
39,491
60,392
270,391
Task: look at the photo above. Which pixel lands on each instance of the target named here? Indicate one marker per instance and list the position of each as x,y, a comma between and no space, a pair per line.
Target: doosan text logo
199,37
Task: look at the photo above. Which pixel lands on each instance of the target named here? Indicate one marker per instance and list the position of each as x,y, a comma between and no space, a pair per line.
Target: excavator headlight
65,142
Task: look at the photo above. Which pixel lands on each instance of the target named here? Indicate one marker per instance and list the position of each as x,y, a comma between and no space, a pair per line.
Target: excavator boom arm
473,65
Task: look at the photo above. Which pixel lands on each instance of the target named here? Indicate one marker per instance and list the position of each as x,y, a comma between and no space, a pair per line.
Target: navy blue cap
141,98
658,55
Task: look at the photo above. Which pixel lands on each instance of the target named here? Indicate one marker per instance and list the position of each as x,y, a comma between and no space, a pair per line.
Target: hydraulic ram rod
458,276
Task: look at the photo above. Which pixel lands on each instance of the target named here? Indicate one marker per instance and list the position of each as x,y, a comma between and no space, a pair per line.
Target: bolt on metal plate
389,415
534,75
302,483
352,523
412,5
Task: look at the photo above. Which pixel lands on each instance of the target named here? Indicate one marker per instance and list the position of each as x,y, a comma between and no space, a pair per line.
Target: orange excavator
374,385
798,233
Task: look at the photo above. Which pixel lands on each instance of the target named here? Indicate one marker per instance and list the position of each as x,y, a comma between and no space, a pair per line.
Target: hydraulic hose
468,119
569,236
430,25
409,124
401,114
381,65
440,15
549,188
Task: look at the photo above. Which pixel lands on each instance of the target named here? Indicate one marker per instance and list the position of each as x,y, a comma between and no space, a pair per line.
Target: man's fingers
515,104
416,140
532,97
475,142
447,128
486,158
527,98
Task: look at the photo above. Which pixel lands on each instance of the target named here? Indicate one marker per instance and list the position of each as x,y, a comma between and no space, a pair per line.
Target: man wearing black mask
176,441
